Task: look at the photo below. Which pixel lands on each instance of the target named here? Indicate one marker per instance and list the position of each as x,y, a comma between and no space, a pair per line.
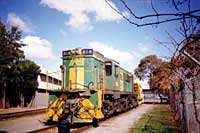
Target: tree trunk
22,100
4,96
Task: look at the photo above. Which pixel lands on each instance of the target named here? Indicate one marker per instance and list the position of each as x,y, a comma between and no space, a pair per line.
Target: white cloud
103,11
38,48
80,10
80,22
15,20
124,58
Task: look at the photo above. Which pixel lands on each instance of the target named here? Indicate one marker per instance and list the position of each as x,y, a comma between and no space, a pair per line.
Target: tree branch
175,16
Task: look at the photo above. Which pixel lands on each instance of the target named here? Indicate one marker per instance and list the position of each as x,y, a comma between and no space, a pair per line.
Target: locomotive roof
101,57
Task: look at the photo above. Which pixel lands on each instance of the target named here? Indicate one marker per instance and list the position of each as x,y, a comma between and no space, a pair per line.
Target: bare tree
185,59
191,15
189,19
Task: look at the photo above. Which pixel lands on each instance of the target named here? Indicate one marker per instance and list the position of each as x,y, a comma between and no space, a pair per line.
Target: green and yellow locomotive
93,87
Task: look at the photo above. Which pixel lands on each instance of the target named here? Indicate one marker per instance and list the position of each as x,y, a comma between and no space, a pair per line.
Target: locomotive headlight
87,51
67,53
83,51
90,51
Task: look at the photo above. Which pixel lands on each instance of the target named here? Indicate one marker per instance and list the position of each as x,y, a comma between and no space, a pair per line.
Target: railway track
54,129
75,128
16,114
51,129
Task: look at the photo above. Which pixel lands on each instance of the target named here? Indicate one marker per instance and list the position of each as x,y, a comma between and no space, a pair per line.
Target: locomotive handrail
87,86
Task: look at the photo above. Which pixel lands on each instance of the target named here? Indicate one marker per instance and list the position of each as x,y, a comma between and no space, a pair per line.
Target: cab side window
128,78
116,71
108,68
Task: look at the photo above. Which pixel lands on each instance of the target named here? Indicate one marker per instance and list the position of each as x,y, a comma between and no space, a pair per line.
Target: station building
38,97
47,81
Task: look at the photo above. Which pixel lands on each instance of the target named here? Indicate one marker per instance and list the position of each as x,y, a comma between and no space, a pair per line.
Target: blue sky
51,26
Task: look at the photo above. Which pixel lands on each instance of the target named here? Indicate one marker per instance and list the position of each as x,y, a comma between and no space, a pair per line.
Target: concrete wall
41,98
186,105
192,104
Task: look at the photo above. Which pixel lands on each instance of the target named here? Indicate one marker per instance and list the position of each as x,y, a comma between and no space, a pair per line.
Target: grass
156,120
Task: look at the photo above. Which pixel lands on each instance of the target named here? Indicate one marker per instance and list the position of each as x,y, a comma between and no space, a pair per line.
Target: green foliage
29,71
27,80
10,51
10,44
155,121
146,67
157,71
18,77
162,74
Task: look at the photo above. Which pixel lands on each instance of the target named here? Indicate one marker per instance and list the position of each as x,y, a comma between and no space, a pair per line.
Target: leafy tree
10,53
161,81
156,71
18,77
29,72
147,66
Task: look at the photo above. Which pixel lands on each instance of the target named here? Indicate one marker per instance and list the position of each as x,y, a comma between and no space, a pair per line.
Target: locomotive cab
80,100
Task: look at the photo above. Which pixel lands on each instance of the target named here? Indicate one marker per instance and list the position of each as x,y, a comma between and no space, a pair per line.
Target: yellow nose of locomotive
55,110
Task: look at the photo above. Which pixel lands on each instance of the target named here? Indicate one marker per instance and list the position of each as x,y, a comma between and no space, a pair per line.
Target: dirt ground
22,124
123,122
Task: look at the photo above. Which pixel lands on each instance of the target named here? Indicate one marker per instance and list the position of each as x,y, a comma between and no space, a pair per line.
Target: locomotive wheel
63,126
